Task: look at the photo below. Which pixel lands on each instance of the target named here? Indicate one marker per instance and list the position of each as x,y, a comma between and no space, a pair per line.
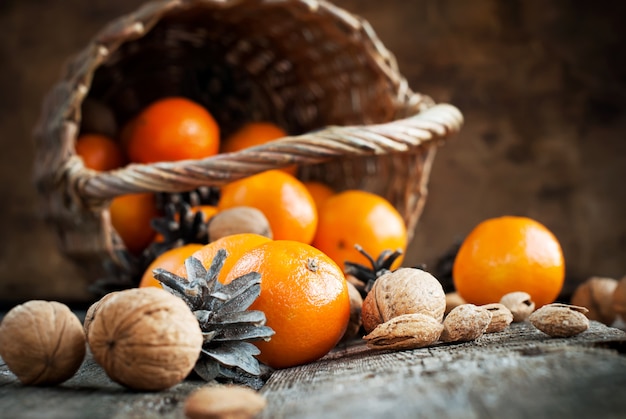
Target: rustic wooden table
519,373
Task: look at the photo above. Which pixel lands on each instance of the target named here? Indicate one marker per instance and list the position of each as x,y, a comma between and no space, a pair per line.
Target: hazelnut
465,322
232,402
42,342
404,291
619,299
145,338
238,220
596,294
520,304
356,303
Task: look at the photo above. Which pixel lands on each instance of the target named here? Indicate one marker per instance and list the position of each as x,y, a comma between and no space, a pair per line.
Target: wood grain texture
518,373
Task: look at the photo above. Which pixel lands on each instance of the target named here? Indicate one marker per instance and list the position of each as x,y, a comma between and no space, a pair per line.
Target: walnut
237,220
42,342
145,338
596,294
92,311
356,304
404,291
215,402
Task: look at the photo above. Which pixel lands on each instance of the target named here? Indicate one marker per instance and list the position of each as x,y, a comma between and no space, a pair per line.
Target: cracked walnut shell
145,338
42,342
404,291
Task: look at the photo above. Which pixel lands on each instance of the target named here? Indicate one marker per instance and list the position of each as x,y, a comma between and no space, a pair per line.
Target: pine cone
228,327
179,226
368,275
204,195
120,276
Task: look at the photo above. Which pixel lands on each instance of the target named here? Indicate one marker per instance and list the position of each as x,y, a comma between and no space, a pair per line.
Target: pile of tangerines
304,292
314,229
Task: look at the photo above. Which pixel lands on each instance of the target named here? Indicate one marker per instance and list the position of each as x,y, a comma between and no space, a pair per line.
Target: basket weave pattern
309,66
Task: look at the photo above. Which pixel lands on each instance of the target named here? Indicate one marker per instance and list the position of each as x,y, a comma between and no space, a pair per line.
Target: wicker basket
311,67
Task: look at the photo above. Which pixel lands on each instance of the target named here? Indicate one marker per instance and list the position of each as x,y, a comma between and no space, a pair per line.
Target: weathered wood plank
515,374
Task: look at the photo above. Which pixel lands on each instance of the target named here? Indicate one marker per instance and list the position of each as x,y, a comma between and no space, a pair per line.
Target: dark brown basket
314,69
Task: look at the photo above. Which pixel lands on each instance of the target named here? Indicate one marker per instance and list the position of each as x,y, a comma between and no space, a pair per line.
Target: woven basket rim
78,197
90,183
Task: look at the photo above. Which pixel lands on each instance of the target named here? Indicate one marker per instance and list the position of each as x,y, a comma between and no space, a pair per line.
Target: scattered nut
520,303
42,342
356,303
408,331
145,338
232,402
404,291
453,299
238,220
464,323
596,294
92,311
358,284
619,299
560,320
501,317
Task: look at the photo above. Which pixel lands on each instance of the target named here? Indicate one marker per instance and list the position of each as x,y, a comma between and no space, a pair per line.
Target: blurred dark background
542,85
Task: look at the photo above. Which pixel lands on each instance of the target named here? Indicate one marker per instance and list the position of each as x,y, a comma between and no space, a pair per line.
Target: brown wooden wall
542,85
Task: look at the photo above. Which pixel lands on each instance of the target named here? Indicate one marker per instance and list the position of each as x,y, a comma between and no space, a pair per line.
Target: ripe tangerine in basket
281,197
170,129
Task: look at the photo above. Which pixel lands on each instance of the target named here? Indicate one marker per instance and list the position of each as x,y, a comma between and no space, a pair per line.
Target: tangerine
99,152
169,260
283,199
235,245
253,134
130,217
358,217
250,135
173,128
304,296
507,254
319,191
